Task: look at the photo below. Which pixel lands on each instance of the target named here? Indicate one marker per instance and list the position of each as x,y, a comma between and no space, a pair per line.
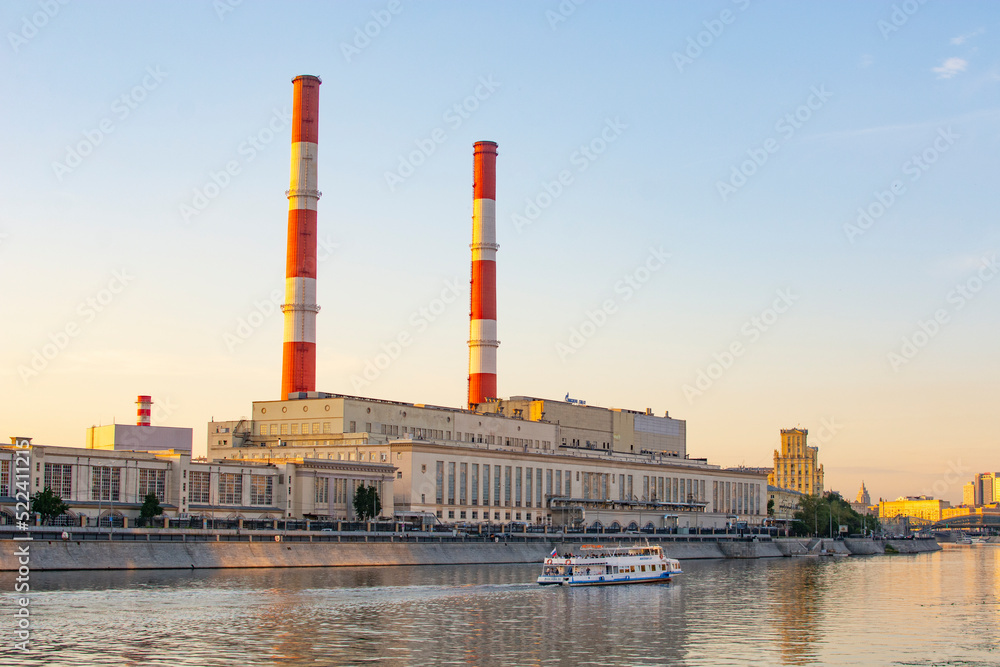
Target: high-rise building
969,495
796,466
863,496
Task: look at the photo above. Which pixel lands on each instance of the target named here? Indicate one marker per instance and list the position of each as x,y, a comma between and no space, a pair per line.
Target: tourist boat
600,566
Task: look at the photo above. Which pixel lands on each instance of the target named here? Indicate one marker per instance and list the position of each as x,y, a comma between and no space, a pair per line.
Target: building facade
100,483
923,509
797,466
524,460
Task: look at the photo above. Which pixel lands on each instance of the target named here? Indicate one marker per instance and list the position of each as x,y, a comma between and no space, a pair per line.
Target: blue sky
742,139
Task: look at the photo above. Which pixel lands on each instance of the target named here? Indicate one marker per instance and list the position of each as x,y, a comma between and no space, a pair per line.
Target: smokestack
298,367
143,411
483,341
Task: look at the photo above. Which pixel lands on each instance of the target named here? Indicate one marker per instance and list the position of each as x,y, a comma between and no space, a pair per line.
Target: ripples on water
930,609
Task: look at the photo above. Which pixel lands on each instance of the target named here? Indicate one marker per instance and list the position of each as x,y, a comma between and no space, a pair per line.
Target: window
439,497
474,485
463,483
57,477
200,487
340,492
559,485
230,488
451,482
316,428
496,487
517,486
538,487
284,429
506,488
569,483
528,487
260,490
274,429
152,481
354,427
105,483
486,488
263,429
4,478
451,514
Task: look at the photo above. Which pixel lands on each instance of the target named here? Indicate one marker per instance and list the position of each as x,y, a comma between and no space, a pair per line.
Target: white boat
601,566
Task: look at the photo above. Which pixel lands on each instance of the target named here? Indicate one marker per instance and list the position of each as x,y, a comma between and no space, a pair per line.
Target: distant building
796,466
988,488
923,508
969,496
964,510
131,437
863,503
786,503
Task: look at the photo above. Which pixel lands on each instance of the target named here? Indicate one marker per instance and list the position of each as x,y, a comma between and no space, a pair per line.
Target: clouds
950,67
962,39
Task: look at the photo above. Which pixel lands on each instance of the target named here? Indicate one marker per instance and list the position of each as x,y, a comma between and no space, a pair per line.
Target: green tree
48,505
150,508
367,504
770,507
822,516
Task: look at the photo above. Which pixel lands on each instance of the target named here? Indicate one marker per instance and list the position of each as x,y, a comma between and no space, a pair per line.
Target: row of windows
4,478
509,486
736,497
673,489
395,429
322,496
296,428
486,515
105,481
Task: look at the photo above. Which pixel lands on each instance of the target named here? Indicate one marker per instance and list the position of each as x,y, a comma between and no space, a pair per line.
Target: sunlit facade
797,466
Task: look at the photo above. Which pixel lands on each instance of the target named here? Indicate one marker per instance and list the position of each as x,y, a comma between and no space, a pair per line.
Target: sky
753,215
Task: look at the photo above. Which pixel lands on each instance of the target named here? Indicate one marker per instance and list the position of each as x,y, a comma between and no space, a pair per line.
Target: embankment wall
123,555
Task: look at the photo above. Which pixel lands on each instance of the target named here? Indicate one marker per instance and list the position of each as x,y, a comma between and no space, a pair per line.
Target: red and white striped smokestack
144,410
483,341
298,368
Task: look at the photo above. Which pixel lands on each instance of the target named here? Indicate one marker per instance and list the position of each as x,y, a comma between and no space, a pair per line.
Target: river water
940,608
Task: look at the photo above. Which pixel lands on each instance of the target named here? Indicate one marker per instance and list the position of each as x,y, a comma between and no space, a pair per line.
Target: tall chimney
483,341
298,367
144,410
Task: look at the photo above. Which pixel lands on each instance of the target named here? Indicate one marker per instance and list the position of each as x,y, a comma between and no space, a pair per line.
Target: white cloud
961,39
950,67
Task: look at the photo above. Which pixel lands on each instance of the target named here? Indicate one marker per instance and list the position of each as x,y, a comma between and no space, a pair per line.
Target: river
926,609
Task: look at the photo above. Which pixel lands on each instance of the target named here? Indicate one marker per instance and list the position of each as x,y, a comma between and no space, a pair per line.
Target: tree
367,504
150,507
770,507
822,516
48,505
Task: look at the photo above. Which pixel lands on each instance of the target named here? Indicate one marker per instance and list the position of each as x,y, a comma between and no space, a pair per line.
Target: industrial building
522,459
103,483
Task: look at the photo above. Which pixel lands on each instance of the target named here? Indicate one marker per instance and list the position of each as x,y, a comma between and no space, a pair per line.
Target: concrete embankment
89,554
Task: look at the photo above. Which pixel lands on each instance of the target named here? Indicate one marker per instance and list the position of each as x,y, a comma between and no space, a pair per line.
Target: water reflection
924,609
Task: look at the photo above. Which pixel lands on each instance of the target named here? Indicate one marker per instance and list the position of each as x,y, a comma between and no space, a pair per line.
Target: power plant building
502,463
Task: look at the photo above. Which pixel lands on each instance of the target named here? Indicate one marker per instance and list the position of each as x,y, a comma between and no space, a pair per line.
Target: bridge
969,522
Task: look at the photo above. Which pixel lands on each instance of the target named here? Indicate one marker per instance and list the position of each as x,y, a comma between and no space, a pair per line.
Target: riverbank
157,549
